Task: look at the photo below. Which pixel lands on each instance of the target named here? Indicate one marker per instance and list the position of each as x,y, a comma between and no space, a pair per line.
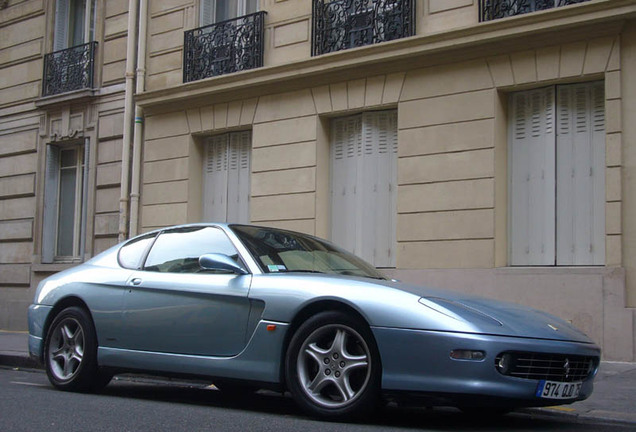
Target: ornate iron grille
69,69
344,24
553,367
494,9
224,47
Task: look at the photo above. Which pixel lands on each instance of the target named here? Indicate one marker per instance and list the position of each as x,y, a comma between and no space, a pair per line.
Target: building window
226,187
214,11
557,176
74,23
64,203
364,185
345,24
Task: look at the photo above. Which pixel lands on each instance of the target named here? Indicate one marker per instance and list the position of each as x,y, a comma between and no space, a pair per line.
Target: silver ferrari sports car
252,307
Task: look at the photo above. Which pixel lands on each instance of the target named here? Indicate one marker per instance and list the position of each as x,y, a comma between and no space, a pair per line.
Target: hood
494,316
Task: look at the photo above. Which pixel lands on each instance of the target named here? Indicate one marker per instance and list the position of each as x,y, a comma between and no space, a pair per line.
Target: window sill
53,267
65,98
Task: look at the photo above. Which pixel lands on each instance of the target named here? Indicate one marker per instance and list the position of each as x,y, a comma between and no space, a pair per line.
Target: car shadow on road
265,402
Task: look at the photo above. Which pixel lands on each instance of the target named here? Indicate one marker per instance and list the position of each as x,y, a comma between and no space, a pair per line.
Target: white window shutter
49,225
581,175
380,178
227,178
238,186
61,30
84,198
206,12
532,185
346,139
364,175
216,180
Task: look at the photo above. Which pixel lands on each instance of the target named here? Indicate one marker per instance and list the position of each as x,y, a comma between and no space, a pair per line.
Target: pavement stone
613,400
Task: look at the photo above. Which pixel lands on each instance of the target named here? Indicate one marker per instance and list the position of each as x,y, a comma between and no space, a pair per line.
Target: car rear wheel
333,367
70,355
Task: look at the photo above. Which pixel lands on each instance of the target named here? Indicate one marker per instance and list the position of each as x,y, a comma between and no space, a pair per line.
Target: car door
172,305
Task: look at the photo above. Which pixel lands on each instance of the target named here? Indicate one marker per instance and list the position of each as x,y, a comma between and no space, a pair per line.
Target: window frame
373,146
565,117
209,8
64,23
51,231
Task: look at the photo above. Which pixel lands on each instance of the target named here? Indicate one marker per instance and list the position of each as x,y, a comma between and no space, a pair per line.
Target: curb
18,361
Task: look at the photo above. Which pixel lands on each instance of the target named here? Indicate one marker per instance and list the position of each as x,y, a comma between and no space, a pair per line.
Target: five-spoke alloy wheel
70,354
332,366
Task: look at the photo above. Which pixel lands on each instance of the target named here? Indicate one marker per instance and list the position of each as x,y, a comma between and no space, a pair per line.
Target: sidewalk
612,400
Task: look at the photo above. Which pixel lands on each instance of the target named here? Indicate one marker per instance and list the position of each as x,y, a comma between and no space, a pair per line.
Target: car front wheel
333,366
70,355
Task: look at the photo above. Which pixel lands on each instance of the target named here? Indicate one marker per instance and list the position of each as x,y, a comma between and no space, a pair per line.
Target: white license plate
558,390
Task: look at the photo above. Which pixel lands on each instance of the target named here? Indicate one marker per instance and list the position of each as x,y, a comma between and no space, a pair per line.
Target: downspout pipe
139,120
131,47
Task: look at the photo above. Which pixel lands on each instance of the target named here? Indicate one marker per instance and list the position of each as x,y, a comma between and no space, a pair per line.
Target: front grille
542,366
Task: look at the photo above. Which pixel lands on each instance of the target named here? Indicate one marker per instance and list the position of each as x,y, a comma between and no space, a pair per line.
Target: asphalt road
28,403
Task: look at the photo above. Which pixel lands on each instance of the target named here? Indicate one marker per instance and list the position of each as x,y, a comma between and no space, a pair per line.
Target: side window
132,253
178,251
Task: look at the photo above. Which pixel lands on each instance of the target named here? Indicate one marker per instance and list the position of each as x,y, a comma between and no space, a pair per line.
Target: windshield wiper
302,271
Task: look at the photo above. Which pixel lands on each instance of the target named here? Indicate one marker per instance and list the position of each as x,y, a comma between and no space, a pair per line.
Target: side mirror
216,261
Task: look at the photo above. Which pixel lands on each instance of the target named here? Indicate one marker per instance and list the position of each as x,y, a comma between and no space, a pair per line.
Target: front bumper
37,316
419,362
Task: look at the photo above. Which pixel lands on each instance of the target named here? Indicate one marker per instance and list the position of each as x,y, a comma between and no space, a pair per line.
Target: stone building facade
487,147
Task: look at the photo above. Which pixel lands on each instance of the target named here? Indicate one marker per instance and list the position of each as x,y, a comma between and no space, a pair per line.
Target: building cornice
556,26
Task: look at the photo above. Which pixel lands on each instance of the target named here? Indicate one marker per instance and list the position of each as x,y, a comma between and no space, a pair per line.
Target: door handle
136,281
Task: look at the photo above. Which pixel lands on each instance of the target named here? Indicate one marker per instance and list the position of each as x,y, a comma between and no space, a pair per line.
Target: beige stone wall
28,124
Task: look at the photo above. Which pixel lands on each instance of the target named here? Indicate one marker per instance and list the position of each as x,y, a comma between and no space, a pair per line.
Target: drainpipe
128,118
139,120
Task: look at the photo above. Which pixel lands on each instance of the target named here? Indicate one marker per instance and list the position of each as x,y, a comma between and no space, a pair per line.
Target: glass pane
178,251
68,158
66,215
78,7
132,253
251,7
226,9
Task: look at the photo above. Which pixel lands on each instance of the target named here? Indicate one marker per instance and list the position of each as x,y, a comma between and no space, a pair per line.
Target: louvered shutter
227,178
532,185
206,12
216,180
379,205
347,141
581,175
364,175
62,19
84,198
49,223
238,177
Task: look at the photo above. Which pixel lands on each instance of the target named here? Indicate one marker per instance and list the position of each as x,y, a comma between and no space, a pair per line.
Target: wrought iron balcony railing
344,24
225,47
69,69
494,9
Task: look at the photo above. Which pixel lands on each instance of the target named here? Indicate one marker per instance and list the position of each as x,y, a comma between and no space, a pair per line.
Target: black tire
70,352
332,367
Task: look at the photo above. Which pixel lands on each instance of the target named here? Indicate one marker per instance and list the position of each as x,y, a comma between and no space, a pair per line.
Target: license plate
558,390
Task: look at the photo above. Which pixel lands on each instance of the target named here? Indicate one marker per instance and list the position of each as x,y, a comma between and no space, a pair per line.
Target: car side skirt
259,361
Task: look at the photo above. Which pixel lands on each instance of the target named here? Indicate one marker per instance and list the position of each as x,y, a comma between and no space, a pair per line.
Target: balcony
344,24
495,9
69,69
225,47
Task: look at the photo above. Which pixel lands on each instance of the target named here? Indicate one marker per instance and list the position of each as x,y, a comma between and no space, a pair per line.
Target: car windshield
279,251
